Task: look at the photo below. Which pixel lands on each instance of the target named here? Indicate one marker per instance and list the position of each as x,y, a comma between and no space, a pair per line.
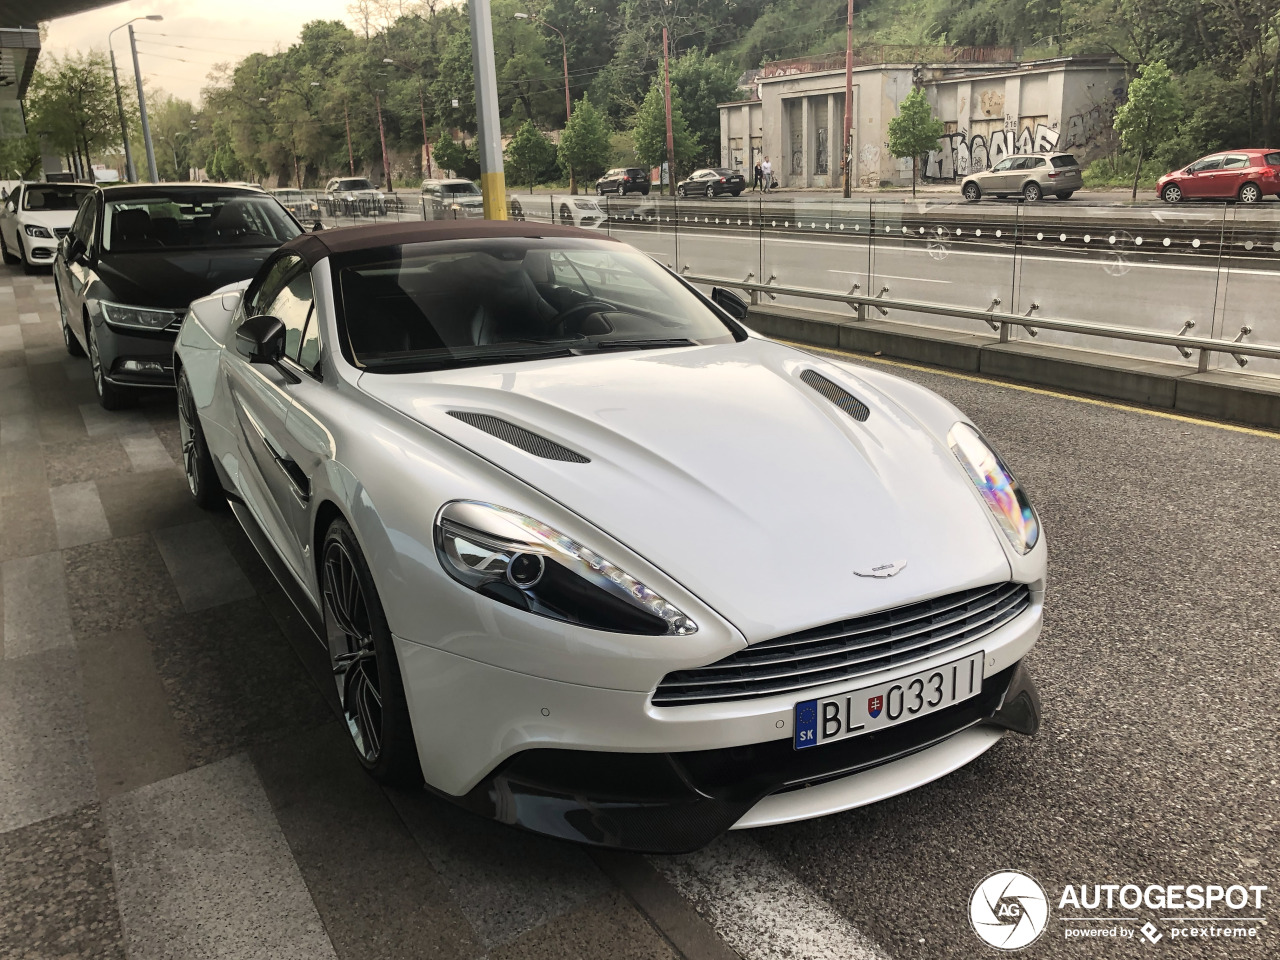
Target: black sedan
624,180
712,182
137,255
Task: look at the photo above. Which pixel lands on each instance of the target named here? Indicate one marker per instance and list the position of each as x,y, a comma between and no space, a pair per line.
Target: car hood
173,278
53,219
720,466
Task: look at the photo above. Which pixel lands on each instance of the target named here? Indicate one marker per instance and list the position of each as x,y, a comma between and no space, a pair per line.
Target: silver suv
451,200
1034,175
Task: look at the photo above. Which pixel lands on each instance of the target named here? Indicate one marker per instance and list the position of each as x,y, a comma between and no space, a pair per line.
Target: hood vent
837,395
526,440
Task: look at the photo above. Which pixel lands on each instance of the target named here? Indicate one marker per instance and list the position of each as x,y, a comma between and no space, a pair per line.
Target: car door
261,400
1225,182
999,177
76,275
9,220
1198,182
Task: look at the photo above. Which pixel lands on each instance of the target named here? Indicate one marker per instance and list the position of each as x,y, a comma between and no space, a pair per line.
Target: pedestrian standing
766,173
755,184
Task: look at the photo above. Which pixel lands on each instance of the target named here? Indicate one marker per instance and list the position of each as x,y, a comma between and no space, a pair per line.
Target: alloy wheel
351,650
186,424
1171,194
95,361
1250,193
971,191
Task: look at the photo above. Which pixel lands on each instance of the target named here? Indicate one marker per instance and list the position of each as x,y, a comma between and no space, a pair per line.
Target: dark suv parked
624,180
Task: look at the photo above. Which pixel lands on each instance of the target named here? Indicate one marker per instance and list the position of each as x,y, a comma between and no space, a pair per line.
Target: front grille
60,232
847,649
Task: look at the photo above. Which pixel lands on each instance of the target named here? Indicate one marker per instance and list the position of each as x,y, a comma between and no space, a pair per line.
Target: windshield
430,306
353,185
55,196
193,220
469,189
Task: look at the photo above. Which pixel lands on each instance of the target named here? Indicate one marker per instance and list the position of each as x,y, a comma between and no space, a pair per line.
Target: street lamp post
492,179
142,108
564,57
129,172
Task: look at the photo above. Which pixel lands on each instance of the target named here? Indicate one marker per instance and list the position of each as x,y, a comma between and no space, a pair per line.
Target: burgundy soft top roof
313,247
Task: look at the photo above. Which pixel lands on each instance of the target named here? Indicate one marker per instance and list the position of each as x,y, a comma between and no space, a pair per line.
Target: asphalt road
174,781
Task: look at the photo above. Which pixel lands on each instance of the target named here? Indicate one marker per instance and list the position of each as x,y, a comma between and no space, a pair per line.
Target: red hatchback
1244,175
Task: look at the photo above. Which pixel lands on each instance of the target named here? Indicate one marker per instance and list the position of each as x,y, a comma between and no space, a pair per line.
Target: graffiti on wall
960,153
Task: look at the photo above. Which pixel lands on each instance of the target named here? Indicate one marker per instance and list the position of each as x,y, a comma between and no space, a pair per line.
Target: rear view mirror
260,339
730,303
74,250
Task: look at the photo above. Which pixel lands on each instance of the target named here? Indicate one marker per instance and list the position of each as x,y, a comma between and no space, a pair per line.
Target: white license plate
851,714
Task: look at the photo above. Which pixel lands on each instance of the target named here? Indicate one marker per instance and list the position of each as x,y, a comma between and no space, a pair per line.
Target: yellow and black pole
493,182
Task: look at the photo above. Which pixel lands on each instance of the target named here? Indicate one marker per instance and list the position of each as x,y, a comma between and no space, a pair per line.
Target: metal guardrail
1002,322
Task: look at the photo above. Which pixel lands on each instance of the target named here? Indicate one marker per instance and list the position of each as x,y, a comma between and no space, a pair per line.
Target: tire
110,396
1065,194
27,266
197,463
1172,193
737,193
8,257
971,192
680,192
599,191
1032,192
366,670
1250,193
566,217
68,338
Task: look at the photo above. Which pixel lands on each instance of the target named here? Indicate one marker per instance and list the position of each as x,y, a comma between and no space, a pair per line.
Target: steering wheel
571,318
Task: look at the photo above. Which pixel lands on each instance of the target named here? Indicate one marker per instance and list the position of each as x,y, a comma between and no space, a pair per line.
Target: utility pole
351,157
426,147
846,159
142,110
671,143
129,173
382,134
492,178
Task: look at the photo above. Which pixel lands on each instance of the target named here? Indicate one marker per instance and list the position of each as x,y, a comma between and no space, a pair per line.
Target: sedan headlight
1000,491
139,318
35,230
522,562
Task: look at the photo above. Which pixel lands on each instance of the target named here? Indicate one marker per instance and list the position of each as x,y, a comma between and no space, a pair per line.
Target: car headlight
35,230
139,318
522,562
1000,491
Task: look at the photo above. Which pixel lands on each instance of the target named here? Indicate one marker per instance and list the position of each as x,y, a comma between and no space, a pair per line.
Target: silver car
451,200
1034,175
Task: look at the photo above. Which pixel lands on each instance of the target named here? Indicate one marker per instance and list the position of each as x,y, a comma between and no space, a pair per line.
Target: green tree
703,83
456,156
914,131
1150,115
72,106
529,155
584,145
649,130
19,158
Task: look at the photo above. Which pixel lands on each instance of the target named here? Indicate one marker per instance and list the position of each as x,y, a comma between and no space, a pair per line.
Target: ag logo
1009,910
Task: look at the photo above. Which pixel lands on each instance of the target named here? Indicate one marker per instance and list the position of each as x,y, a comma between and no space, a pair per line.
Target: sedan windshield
55,196
430,306
193,220
469,189
353,185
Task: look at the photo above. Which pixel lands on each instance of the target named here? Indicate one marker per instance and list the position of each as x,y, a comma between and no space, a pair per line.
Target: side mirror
75,249
730,303
260,339
317,226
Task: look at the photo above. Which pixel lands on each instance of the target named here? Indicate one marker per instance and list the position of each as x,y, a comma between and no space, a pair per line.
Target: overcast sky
199,33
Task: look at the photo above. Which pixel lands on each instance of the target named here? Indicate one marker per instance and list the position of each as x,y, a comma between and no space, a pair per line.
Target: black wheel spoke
351,650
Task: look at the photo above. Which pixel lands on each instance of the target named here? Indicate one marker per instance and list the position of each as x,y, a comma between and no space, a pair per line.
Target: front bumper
140,359
39,251
678,802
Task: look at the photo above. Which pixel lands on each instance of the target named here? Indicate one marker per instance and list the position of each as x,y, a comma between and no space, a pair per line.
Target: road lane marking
759,908
1092,401
889,276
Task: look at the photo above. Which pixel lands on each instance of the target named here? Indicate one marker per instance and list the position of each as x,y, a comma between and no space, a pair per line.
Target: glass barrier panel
1249,286
819,244
646,222
717,236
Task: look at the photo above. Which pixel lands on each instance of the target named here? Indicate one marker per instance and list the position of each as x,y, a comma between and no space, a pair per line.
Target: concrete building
992,105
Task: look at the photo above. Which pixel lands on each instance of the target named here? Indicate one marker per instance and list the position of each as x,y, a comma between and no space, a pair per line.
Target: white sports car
591,557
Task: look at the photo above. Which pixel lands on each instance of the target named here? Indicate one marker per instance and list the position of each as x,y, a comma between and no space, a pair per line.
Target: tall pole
568,108
142,110
426,147
129,173
671,143
382,134
351,157
492,178
845,159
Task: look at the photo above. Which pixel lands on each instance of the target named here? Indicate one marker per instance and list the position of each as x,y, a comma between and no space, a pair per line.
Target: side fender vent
526,440
837,395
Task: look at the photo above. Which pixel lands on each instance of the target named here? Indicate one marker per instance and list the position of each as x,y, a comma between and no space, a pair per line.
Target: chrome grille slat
880,640
876,621
918,626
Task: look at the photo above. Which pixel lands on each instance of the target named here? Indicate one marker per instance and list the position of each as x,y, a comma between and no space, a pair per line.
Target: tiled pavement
173,778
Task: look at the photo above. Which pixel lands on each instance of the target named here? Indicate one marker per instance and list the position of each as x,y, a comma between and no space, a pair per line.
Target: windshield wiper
423,364
647,344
